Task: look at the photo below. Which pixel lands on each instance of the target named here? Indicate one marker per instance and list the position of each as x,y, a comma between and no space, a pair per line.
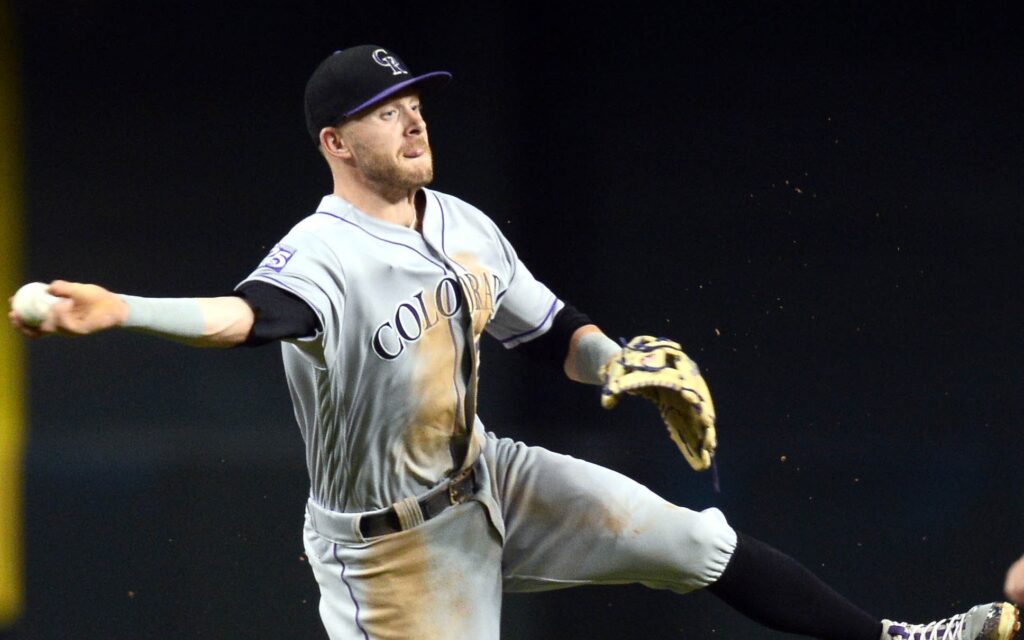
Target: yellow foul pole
12,357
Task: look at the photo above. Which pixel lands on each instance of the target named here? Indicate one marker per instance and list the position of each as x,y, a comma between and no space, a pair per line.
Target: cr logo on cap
385,59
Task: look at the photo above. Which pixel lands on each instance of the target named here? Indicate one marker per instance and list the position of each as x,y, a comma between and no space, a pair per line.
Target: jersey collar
338,206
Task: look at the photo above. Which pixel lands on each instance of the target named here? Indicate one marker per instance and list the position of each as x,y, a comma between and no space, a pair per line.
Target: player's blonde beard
388,172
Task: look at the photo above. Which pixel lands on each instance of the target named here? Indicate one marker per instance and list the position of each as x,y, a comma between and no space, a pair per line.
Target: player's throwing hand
81,310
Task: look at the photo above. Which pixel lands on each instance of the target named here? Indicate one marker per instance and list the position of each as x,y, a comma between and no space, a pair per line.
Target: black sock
778,592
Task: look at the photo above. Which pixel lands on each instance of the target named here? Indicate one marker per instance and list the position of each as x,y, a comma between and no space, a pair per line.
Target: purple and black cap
353,79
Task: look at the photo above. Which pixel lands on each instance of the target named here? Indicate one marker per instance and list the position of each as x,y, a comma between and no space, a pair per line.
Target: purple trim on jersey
282,285
443,249
469,342
376,237
350,592
547,316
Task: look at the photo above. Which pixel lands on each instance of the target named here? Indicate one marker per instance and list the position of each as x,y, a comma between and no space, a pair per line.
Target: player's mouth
414,152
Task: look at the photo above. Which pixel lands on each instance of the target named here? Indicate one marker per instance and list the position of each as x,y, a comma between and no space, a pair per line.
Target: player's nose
414,122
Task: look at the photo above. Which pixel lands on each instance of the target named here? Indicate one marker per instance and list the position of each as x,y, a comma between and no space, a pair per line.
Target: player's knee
712,539
710,531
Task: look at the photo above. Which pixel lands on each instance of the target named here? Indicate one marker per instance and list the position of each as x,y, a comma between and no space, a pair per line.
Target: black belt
460,488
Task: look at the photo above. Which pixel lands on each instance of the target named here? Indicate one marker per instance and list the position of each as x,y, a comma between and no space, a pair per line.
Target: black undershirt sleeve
552,348
279,314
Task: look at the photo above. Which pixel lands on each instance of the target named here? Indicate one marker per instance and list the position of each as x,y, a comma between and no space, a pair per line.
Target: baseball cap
353,79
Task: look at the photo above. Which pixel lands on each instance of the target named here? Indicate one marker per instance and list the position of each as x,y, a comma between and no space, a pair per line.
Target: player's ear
333,144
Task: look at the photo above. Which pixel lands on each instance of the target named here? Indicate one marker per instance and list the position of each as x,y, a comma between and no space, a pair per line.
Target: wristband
175,318
592,351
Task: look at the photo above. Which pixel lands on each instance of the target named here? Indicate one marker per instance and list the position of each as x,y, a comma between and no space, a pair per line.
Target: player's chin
412,173
420,177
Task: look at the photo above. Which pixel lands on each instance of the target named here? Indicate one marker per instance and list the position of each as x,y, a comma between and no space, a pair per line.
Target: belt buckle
454,495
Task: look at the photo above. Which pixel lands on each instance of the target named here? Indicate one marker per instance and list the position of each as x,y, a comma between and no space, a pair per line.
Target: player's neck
396,208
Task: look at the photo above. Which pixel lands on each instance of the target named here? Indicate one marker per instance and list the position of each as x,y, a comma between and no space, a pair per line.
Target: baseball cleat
995,621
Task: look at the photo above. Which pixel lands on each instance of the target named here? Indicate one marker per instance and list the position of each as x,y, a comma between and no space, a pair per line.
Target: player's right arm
87,308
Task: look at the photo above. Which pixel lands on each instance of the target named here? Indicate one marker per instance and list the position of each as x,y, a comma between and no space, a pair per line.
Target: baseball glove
657,369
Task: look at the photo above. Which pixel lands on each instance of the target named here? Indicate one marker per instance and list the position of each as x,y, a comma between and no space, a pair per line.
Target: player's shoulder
314,223
319,227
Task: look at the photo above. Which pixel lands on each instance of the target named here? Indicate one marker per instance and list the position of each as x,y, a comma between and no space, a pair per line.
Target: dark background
822,203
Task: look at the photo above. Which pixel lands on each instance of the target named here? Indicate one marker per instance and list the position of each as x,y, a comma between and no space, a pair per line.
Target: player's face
389,144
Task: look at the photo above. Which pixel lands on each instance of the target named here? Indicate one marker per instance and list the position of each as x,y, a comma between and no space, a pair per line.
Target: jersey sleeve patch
278,257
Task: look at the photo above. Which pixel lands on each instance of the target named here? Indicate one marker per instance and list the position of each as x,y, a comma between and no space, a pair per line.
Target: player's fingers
61,318
62,288
31,332
22,328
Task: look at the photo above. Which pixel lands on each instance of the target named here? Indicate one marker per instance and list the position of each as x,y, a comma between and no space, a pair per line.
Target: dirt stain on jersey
441,406
480,288
437,408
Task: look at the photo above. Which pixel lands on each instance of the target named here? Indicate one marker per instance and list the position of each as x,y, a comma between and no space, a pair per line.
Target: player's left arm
572,344
589,350
653,368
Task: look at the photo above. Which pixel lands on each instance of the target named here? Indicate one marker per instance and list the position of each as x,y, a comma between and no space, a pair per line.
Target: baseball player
418,518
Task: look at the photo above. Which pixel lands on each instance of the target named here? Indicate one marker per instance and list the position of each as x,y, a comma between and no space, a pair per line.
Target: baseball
32,303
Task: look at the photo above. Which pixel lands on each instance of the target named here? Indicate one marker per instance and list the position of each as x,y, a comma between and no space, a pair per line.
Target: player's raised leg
569,522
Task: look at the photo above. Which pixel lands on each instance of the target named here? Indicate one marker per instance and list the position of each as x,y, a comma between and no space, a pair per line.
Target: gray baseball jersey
385,393
385,396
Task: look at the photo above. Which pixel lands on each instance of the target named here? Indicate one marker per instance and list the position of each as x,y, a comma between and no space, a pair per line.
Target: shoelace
945,629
